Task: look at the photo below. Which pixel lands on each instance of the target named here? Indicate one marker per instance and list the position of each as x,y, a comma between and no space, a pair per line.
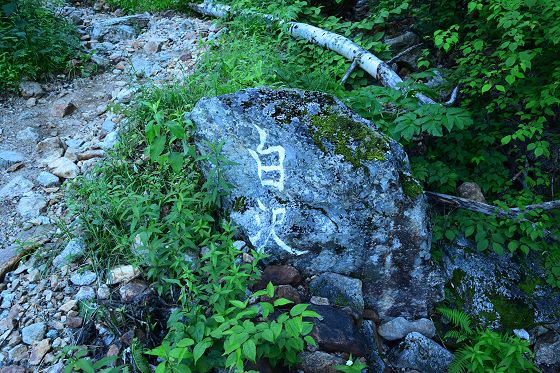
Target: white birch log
370,63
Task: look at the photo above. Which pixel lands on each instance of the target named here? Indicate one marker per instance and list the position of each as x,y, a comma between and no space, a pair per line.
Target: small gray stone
103,292
341,291
83,278
153,46
27,134
18,353
31,206
47,179
9,157
7,299
75,246
132,291
399,327
33,333
109,141
74,143
420,353
85,293
50,149
108,125
522,334
16,187
63,108
30,89
547,351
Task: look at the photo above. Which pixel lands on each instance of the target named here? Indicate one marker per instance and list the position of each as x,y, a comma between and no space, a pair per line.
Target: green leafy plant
483,350
77,362
230,337
351,366
34,41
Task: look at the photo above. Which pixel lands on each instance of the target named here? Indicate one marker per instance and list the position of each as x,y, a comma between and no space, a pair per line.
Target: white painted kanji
270,175
273,176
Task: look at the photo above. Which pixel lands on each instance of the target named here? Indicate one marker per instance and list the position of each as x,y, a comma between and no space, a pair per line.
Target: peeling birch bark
370,63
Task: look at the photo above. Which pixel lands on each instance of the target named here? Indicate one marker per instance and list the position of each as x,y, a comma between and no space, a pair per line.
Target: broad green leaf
250,350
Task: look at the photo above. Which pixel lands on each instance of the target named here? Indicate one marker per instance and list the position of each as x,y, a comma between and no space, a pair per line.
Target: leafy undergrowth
34,42
150,202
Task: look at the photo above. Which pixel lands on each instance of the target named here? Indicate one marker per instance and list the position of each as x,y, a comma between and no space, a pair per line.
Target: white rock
123,273
65,168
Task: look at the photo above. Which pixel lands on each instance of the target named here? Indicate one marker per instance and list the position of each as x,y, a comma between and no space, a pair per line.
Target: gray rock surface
399,327
30,89
114,30
341,291
320,362
109,141
16,187
318,187
33,333
47,179
27,134
499,291
85,293
9,157
547,351
75,246
83,278
420,353
31,205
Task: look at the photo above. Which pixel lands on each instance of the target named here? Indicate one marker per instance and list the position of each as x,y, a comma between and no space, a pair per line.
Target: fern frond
458,318
460,361
458,335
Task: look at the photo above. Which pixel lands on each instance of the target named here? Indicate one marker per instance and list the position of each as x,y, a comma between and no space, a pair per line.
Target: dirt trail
56,131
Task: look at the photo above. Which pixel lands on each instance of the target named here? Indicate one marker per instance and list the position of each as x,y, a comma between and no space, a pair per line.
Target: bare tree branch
367,61
487,209
349,71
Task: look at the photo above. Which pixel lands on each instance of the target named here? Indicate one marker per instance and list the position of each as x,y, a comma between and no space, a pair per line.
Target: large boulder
317,187
500,291
115,30
420,353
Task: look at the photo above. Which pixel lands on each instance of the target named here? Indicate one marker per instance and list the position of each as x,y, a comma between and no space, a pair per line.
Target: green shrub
34,41
483,350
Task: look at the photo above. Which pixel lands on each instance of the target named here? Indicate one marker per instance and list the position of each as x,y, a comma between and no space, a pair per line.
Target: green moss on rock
411,187
513,314
353,140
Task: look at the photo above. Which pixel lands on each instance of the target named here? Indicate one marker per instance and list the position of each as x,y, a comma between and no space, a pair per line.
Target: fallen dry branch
370,63
471,205
487,209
